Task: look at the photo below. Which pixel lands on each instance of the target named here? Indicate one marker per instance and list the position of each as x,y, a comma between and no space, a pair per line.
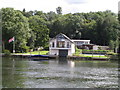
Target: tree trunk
3,45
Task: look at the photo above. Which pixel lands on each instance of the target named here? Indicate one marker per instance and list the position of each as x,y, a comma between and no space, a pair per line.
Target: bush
78,51
6,52
111,53
97,51
25,49
114,57
46,47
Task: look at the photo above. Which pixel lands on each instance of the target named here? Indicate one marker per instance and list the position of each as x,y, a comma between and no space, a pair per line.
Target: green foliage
97,51
78,51
14,24
33,28
119,16
111,44
6,52
36,52
25,49
39,30
59,10
46,47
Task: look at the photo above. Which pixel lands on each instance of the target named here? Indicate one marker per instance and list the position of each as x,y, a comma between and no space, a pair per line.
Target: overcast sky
68,6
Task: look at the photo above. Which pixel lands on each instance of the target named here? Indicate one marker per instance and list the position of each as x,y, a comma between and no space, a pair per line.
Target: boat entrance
63,53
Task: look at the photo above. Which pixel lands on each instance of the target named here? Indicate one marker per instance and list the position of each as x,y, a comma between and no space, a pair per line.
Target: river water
26,73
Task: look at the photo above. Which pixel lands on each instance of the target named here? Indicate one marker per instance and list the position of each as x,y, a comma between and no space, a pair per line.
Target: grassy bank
98,56
36,53
92,53
46,53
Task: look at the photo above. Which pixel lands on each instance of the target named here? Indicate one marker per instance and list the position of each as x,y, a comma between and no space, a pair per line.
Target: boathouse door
63,53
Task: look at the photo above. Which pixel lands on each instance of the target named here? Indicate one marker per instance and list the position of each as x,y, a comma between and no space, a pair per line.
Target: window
86,42
60,44
68,45
53,44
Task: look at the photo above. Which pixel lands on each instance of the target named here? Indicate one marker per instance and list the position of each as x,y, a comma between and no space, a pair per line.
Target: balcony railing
68,47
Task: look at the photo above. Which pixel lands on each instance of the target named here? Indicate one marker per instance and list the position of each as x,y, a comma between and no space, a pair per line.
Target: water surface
26,73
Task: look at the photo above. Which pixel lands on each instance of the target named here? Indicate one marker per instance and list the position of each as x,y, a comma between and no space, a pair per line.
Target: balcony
59,48
60,45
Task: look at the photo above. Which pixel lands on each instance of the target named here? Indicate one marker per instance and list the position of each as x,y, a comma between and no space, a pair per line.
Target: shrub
78,51
25,49
46,47
6,52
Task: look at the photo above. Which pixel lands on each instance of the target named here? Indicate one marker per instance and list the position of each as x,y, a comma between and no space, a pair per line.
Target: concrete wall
104,47
56,52
95,47
100,47
72,48
53,52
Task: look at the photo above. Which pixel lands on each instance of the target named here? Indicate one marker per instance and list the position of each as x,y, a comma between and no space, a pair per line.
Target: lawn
85,55
79,51
46,53
36,53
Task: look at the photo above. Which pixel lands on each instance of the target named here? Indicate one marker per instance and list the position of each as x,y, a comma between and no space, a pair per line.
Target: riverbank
74,57
82,57
34,53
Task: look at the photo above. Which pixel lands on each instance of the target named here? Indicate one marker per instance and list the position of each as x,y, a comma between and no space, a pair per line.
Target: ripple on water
52,74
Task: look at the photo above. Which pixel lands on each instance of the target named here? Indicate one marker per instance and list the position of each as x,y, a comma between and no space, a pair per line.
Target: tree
24,10
119,35
73,26
33,28
28,14
14,24
40,30
106,26
31,40
51,16
59,10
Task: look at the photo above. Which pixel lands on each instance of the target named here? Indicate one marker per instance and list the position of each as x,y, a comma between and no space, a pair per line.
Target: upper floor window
53,44
86,42
68,45
60,44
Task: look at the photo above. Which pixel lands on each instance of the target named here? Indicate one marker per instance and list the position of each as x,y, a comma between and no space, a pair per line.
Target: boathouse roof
62,36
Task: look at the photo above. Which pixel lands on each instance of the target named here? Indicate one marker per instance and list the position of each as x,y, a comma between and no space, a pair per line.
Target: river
27,73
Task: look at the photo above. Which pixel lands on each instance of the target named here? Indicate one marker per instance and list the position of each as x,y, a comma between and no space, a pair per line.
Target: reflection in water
60,73
11,73
63,61
72,64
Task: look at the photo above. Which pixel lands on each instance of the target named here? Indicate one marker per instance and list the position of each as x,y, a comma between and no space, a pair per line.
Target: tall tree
59,10
14,24
119,23
40,30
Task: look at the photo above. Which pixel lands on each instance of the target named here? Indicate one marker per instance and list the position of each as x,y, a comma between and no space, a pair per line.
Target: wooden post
92,53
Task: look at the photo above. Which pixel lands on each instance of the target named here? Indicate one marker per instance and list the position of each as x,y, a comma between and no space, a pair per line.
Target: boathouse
61,45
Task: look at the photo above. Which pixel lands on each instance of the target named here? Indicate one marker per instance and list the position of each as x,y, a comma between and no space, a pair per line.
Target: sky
68,6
